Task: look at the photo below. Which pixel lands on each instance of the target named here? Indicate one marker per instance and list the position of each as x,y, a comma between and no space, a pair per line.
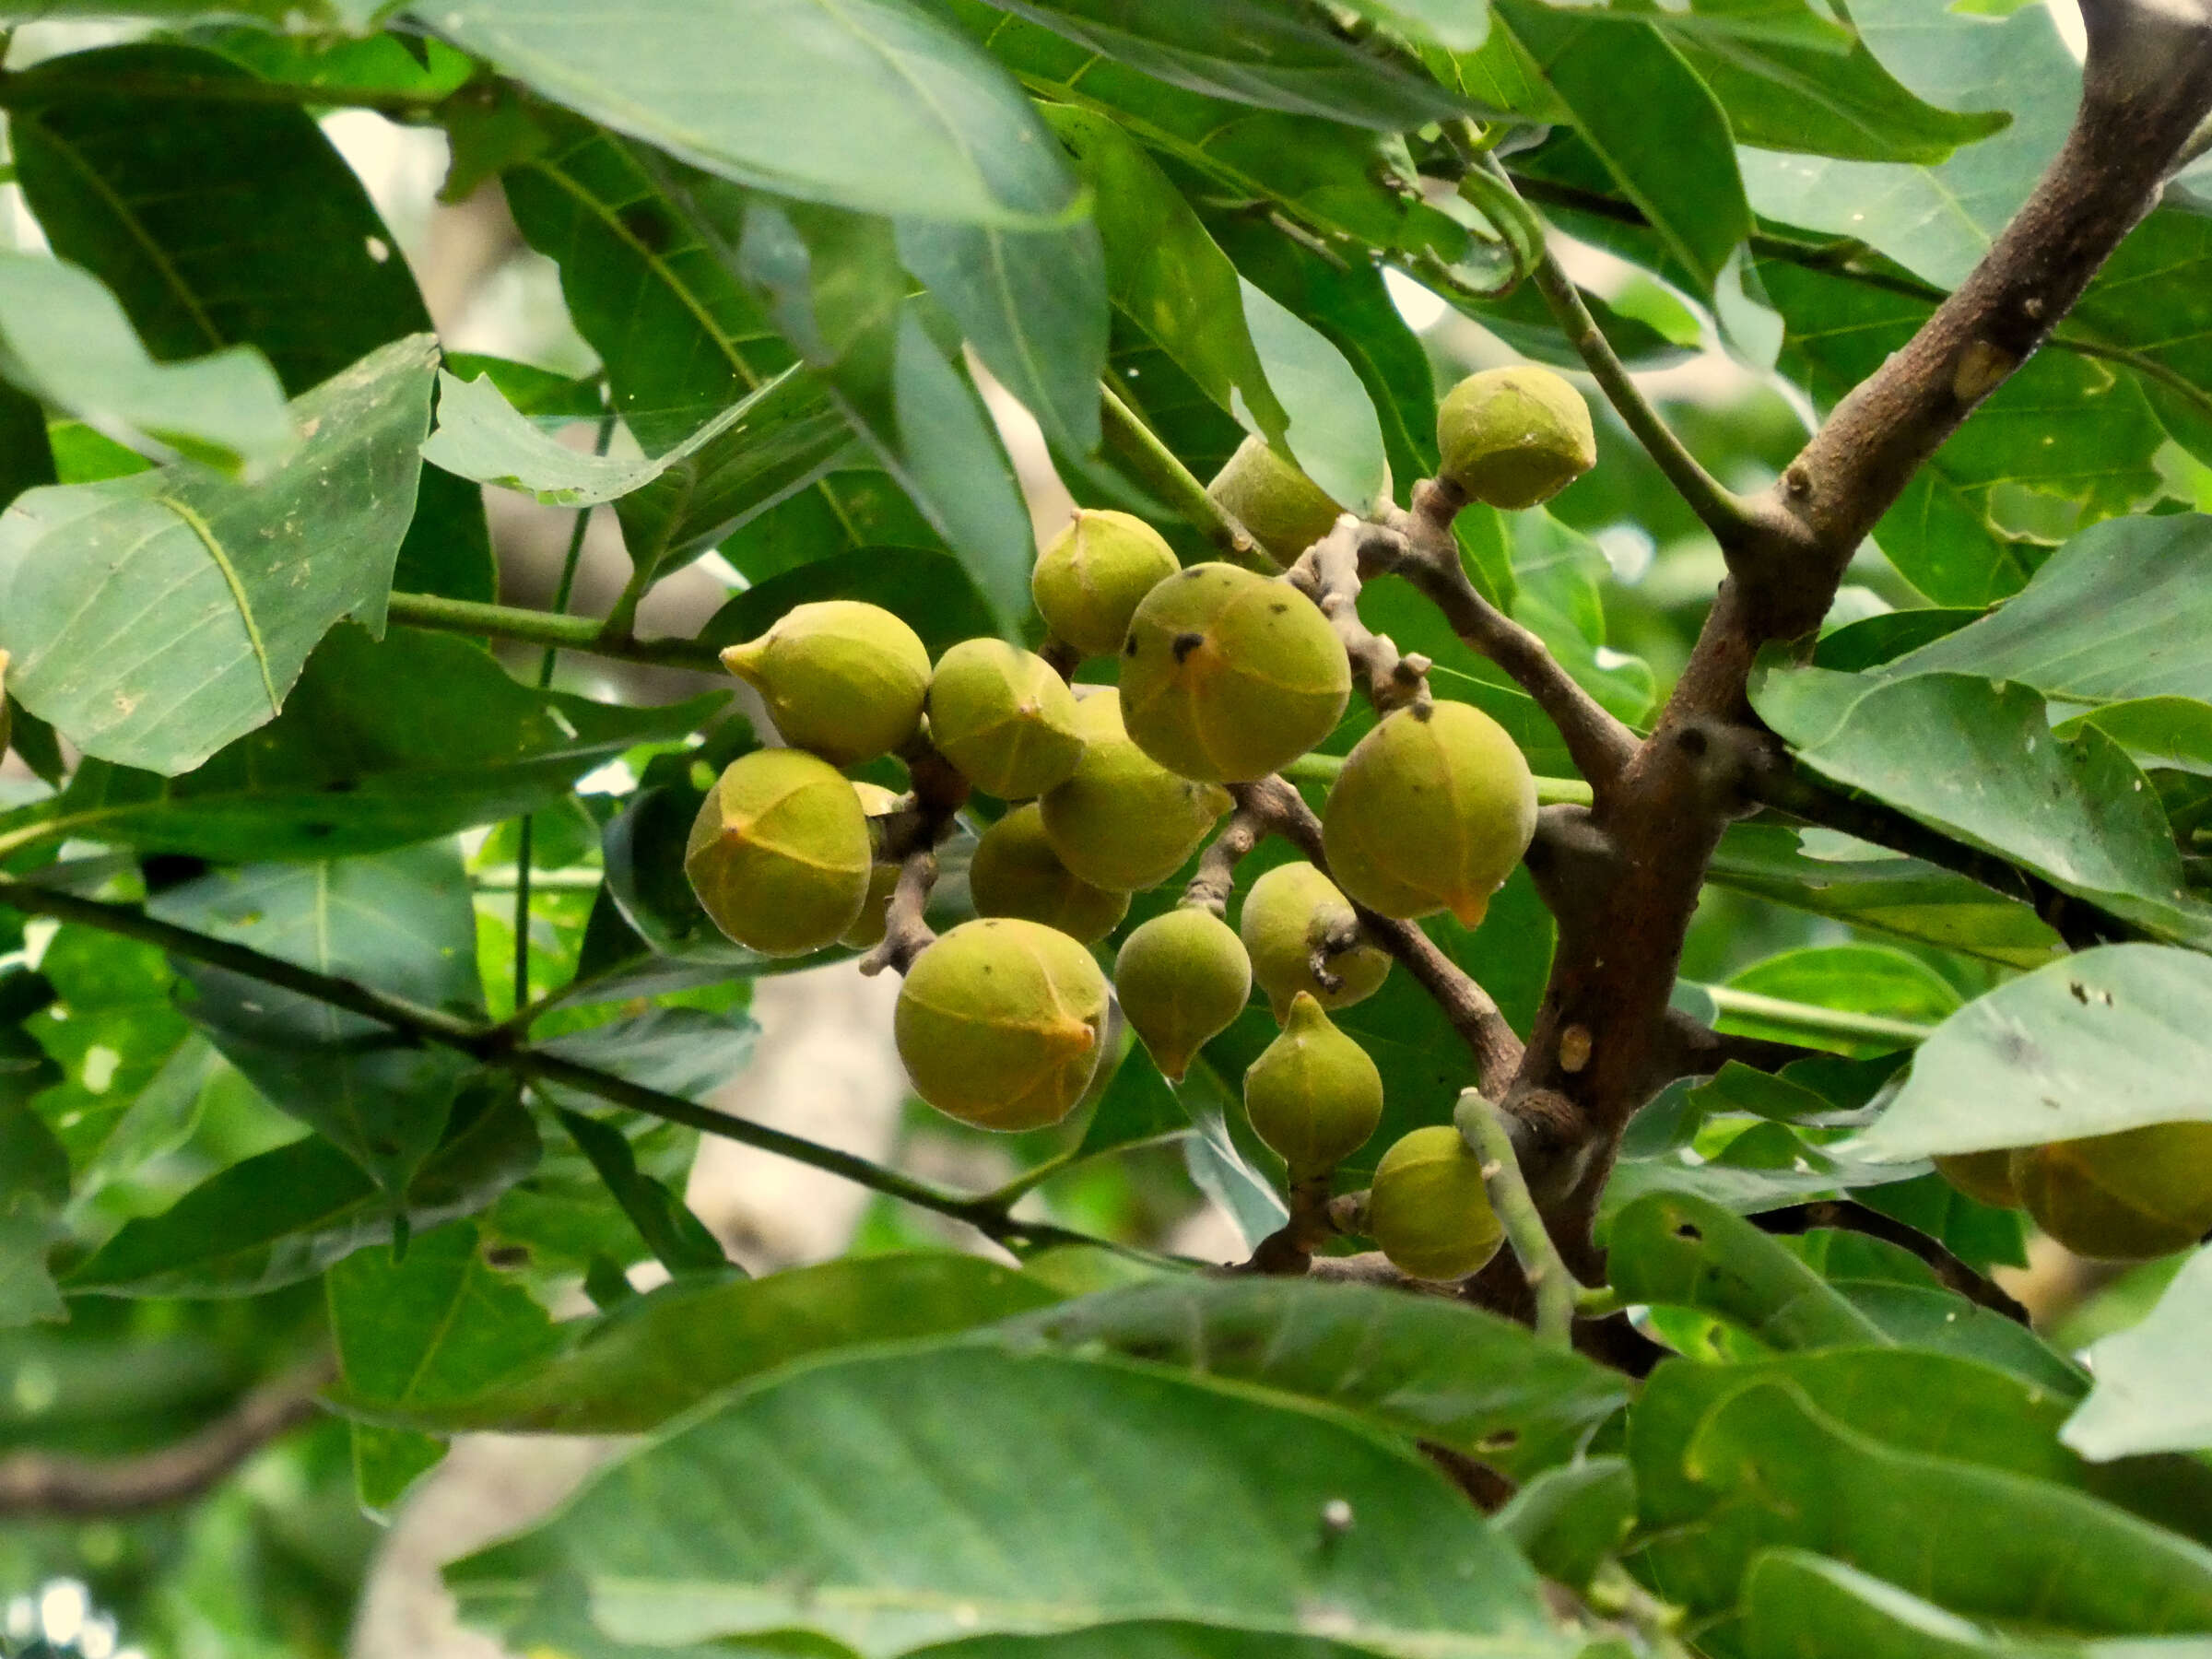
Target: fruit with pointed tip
1285,511
1313,1095
1087,582
2126,1197
1122,820
1429,1210
1515,437
1293,911
1228,676
1985,1177
1183,979
779,852
1014,872
1001,1023
1431,812
1004,718
841,679
876,801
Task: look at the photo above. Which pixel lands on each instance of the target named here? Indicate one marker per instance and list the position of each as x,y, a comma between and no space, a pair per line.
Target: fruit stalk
1331,573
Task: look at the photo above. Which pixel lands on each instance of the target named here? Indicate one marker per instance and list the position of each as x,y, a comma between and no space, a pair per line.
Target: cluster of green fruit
1224,677
2125,1197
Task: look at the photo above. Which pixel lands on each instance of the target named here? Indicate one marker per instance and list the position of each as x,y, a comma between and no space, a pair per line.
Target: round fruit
1428,1209
2125,1197
1002,716
1285,511
1014,872
841,679
1985,1177
1290,910
1312,1095
1089,580
1123,820
1432,811
1182,978
1001,1023
1227,676
883,878
779,852
1515,437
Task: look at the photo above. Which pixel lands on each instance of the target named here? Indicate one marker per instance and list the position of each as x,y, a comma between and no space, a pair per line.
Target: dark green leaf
679,1239
112,1031
1569,1521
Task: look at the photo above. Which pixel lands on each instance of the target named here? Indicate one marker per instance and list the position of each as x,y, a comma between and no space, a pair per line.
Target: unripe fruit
1285,511
1312,1095
2125,1197
1227,676
1000,1024
1432,811
1014,872
779,852
883,878
1123,820
1429,1210
1004,717
841,679
1290,910
1985,1177
1515,437
1088,580
1182,978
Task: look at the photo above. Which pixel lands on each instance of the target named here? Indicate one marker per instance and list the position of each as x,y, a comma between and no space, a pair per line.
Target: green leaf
2149,1394
112,1032
1981,764
34,1185
676,1050
154,618
863,104
684,1344
859,1500
1859,978
1570,1521
380,745
65,339
1146,1642
285,1216
1425,1367
480,436
679,1239
401,922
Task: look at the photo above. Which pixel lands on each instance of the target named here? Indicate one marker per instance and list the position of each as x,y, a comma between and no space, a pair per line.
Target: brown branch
1216,875
1287,1252
1331,573
906,933
44,1486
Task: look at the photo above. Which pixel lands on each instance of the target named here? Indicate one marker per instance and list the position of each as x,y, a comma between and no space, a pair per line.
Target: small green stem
542,627
1156,466
1811,1020
1482,1126
52,89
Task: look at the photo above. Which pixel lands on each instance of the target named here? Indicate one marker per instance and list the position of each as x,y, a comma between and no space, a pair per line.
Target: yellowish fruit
1087,582
1001,1022
1182,978
1285,511
1014,872
1290,910
1123,820
1428,1209
779,852
2125,1197
867,933
1312,1095
841,679
1985,1177
1515,437
1228,676
1004,717
1431,812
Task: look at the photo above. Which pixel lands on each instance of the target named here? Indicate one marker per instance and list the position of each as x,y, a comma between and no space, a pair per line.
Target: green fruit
1014,872
1428,1209
2125,1197
1985,1177
1515,437
841,679
779,852
1123,820
883,878
1228,676
1001,1023
1004,717
1312,1095
1285,511
1089,582
1290,910
1432,811
1182,977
